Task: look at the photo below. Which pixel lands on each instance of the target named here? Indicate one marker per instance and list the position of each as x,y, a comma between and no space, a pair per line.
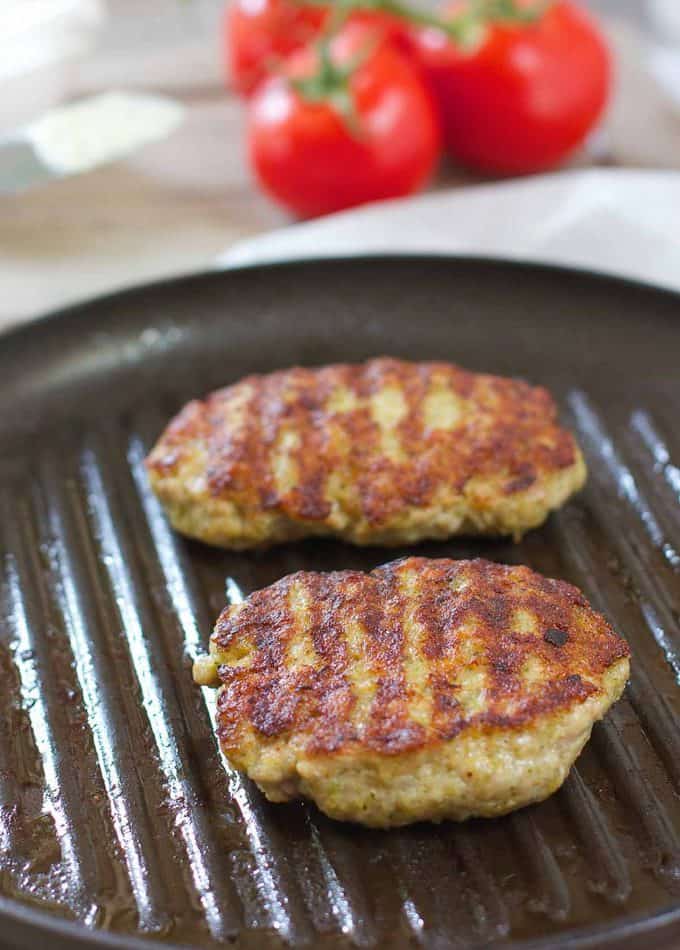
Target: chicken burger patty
425,690
384,452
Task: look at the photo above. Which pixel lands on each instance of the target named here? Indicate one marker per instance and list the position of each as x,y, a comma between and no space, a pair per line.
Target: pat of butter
76,138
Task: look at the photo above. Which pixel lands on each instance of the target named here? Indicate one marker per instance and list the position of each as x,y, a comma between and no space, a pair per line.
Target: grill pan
118,824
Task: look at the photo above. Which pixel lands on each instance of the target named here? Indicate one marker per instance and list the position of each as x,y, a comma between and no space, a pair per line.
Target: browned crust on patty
506,435
454,618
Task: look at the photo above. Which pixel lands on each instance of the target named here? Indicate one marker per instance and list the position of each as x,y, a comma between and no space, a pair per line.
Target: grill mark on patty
417,481
439,617
266,687
390,725
364,623
369,472
230,416
507,430
479,631
335,699
305,409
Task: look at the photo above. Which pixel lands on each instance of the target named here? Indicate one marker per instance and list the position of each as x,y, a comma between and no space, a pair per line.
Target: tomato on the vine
259,34
523,97
356,125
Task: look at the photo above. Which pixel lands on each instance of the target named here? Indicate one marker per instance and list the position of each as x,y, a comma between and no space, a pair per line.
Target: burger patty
427,689
384,452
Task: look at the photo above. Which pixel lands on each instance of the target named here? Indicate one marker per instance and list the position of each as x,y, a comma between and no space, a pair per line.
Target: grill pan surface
117,820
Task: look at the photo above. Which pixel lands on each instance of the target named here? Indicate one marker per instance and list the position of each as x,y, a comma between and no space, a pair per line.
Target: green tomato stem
465,27
330,82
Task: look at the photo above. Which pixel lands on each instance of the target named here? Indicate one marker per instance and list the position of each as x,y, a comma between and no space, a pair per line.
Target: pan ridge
118,822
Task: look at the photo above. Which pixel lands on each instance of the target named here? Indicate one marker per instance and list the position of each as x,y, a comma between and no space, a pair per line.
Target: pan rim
78,308
665,922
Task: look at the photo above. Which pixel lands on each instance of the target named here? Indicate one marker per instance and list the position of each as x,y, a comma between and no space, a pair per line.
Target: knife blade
83,135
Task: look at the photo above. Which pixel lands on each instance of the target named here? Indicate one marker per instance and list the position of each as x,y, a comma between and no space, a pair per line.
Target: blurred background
174,205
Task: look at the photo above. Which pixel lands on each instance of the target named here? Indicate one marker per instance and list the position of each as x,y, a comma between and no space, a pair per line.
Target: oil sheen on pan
115,812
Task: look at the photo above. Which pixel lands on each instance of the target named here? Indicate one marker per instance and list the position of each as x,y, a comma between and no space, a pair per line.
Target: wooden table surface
174,205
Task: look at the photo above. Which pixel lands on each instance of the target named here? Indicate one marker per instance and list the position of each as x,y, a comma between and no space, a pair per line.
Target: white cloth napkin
616,221
34,33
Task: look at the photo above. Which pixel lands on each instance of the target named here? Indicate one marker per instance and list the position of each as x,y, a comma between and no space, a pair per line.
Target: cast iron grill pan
118,824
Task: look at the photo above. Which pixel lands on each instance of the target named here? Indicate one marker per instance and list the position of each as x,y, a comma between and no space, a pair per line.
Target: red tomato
259,34
309,157
523,99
